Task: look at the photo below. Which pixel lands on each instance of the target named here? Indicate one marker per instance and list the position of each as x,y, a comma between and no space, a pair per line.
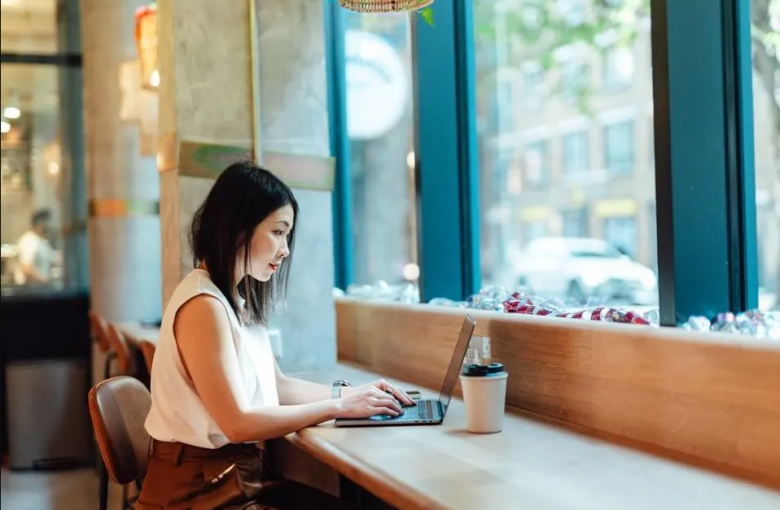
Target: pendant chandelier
385,5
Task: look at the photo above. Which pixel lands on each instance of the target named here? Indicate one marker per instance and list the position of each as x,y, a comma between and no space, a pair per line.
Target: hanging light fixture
386,6
146,45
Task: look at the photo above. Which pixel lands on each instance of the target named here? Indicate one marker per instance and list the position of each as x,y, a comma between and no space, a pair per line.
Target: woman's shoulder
196,283
196,293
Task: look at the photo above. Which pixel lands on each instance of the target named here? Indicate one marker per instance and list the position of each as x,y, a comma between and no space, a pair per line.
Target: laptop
427,411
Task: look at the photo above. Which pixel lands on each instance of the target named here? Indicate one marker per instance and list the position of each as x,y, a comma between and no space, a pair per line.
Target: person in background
36,254
217,391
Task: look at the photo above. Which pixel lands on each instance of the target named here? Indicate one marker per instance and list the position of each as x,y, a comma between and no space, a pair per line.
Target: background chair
118,408
148,349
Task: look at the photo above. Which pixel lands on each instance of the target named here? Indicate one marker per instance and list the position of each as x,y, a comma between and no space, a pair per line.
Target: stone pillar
122,181
209,99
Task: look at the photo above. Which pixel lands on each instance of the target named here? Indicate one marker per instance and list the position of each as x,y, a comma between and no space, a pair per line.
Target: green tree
538,28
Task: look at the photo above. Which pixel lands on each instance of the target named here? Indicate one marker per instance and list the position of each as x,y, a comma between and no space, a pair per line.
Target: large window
575,223
533,85
765,17
537,163
619,147
382,162
43,189
576,156
617,67
576,226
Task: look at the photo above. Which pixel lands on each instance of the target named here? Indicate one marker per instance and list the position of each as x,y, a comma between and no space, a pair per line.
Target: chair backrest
148,349
124,358
99,330
118,407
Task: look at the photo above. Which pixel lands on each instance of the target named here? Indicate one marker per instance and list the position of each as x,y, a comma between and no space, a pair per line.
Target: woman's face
269,244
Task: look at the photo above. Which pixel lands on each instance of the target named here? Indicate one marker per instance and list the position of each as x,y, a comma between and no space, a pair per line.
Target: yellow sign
535,213
615,208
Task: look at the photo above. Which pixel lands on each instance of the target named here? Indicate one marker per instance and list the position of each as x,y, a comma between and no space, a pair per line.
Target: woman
217,392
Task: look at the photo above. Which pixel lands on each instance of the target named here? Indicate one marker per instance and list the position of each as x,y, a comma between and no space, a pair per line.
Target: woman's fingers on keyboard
388,402
384,410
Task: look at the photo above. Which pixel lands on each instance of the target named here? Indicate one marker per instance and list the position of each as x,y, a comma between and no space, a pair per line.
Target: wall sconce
146,44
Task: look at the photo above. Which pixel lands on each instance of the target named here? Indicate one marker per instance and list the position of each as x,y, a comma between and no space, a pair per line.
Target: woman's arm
202,331
297,391
294,391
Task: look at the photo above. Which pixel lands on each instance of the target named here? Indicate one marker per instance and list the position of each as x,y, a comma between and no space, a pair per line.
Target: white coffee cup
484,394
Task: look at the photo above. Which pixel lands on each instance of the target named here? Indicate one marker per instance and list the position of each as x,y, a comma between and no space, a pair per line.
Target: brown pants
183,477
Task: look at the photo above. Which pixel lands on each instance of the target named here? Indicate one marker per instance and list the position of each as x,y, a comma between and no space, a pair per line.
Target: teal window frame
703,147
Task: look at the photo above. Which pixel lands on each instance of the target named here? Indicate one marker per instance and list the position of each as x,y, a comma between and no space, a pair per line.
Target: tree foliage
537,30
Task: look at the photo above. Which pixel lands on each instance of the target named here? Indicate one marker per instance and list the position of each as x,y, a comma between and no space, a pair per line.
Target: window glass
619,147
617,67
380,122
42,184
575,80
572,11
621,233
537,163
576,225
31,171
576,158
765,17
533,82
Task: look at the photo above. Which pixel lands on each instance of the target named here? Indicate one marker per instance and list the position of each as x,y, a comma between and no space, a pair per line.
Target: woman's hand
367,401
382,385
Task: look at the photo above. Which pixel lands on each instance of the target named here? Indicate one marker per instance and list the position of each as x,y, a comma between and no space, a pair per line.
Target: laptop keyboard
423,411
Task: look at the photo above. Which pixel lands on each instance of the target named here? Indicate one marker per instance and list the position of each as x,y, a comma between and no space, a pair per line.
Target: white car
578,269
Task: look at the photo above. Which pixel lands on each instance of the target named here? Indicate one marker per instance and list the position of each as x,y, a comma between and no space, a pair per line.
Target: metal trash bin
48,416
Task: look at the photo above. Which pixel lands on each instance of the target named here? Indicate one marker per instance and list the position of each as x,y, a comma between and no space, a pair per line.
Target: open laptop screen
457,361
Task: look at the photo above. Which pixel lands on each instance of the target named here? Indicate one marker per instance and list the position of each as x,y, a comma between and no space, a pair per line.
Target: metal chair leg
125,501
103,471
103,486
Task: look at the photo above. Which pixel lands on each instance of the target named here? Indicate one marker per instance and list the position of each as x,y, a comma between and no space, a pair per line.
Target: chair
148,349
124,357
118,407
99,331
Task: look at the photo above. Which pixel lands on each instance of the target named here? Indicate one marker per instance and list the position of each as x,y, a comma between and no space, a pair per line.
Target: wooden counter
530,464
707,396
136,332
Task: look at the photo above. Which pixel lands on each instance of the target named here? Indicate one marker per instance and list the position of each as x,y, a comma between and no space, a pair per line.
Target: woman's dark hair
242,197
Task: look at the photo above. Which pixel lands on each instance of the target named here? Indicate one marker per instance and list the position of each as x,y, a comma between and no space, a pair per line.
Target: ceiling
29,26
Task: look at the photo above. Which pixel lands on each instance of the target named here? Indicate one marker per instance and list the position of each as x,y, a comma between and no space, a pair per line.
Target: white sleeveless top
178,413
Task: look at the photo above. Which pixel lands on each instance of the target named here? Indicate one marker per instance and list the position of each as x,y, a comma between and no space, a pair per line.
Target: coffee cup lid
474,370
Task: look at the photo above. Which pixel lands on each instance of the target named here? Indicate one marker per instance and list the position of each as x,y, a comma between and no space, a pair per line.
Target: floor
61,490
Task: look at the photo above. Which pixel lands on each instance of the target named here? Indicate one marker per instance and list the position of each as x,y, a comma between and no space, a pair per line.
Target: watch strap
337,386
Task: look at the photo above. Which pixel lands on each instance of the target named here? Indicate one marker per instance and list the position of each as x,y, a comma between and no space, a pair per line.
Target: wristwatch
336,389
